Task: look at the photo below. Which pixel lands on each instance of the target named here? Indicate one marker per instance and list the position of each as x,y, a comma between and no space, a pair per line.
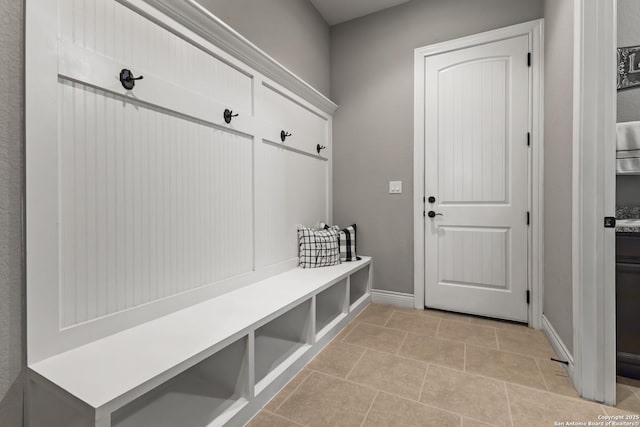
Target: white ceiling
337,11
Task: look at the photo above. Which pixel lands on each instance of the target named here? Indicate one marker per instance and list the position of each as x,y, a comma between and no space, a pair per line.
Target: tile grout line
528,356
372,388
370,406
366,349
406,334
424,381
356,364
389,318
292,391
634,390
464,370
512,327
438,327
369,387
440,338
279,416
604,411
350,332
495,331
506,393
464,358
458,370
544,380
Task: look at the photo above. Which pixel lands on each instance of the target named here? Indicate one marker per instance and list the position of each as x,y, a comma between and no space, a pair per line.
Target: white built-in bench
214,363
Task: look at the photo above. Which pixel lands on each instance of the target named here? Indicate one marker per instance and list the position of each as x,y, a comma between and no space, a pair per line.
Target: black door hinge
609,222
528,139
424,199
424,213
529,59
528,296
528,218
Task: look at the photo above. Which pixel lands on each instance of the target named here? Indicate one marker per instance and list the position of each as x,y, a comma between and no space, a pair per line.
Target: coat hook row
127,79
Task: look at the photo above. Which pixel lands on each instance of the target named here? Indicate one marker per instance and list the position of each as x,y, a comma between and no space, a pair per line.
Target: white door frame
533,29
594,137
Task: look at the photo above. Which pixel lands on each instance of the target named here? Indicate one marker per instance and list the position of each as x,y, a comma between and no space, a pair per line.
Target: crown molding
202,22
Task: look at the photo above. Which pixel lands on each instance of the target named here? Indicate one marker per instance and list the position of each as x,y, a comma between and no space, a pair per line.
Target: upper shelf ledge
199,20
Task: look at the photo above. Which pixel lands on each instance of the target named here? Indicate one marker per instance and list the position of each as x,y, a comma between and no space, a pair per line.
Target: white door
477,169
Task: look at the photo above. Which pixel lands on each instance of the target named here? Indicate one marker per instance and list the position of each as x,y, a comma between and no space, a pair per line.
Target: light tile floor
400,367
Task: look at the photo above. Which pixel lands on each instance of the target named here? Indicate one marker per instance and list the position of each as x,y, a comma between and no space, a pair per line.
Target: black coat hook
284,135
320,147
228,115
127,79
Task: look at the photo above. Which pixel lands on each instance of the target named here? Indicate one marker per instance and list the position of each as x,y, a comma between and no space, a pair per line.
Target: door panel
476,166
473,155
483,252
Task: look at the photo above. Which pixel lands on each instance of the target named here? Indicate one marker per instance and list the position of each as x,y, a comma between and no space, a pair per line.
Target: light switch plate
395,187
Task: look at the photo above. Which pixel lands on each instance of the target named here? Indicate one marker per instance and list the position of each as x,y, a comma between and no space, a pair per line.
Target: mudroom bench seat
211,364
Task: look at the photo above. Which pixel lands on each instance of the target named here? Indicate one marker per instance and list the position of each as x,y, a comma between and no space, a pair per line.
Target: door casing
534,30
594,188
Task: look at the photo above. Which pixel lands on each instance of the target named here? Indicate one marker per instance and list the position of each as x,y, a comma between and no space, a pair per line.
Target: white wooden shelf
207,394
264,329
278,340
360,285
331,305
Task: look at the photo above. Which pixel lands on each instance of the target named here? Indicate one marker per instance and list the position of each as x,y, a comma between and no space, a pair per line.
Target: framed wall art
628,67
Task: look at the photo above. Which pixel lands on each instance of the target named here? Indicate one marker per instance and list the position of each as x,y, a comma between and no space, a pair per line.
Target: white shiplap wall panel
142,202
307,128
117,32
151,204
291,190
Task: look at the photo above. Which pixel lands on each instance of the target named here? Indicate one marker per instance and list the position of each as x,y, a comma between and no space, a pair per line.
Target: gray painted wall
628,187
558,136
372,82
292,31
12,354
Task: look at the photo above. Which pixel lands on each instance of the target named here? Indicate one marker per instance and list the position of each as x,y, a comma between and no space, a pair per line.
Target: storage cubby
280,342
207,394
330,305
359,285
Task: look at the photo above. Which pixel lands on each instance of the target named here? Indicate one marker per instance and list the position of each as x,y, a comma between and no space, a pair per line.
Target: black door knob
433,214
432,199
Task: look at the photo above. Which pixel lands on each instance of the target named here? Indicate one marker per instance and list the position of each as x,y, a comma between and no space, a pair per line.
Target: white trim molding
594,169
558,346
398,299
534,30
208,26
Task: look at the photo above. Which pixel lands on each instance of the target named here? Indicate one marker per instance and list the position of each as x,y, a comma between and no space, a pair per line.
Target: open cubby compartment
331,307
280,342
359,285
207,394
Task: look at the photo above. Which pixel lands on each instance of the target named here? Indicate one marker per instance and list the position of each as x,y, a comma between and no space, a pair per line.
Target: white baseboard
558,346
392,298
